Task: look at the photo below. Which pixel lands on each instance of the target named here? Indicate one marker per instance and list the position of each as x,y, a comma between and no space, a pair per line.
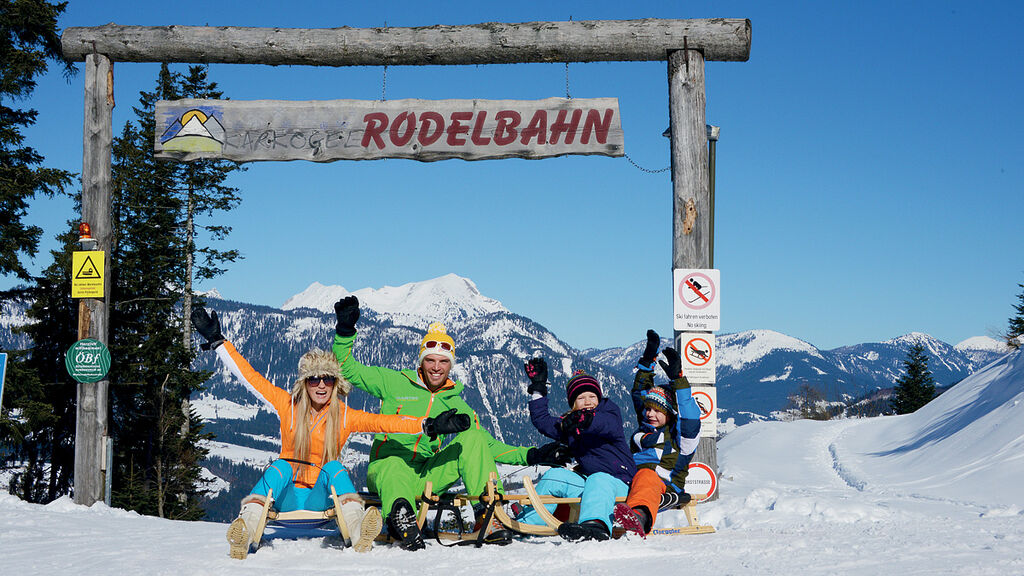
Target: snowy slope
934,492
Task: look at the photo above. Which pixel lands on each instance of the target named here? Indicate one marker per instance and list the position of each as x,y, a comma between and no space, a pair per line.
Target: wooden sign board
427,130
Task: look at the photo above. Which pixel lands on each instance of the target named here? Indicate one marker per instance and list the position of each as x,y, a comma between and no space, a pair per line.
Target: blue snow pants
288,497
597,494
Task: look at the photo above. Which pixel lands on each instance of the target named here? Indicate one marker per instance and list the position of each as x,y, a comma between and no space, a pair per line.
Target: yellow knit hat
437,341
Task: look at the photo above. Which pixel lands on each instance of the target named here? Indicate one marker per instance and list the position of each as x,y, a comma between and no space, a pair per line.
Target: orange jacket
352,419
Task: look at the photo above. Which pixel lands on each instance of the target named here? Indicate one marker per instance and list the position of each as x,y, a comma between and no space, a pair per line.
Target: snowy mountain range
757,370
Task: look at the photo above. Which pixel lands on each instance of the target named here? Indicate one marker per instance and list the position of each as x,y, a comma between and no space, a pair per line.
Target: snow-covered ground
934,492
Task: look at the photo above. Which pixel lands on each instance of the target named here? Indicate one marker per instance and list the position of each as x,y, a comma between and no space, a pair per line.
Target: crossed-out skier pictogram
697,291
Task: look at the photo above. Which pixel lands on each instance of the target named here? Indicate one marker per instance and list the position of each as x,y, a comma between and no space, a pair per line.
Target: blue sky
869,178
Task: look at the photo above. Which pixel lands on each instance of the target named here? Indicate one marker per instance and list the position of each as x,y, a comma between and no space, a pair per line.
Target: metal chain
648,170
384,80
567,95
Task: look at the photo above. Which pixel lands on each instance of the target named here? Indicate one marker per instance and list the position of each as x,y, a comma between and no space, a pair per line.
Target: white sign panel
697,350
701,479
427,130
707,399
696,299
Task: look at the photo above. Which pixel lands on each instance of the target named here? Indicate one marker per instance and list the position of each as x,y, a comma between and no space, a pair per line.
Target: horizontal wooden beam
723,39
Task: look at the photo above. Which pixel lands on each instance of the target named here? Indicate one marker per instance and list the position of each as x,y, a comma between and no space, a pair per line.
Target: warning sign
698,354
87,274
701,479
696,299
707,399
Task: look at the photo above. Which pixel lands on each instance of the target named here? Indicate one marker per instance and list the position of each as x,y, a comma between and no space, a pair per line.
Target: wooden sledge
307,519
551,523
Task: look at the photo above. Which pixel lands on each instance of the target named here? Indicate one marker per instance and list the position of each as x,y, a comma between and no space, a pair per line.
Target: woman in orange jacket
315,424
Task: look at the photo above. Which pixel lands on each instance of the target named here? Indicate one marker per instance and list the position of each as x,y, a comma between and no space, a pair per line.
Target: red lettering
376,122
505,131
426,118
594,123
403,139
538,127
569,128
478,128
457,127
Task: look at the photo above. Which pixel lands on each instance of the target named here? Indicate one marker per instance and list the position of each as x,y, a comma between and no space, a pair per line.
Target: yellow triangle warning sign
87,274
87,270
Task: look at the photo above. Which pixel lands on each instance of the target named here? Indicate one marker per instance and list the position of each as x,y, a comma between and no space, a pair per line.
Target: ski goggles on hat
316,380
437,344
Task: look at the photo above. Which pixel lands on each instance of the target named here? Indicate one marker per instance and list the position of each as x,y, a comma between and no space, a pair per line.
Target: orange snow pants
646,491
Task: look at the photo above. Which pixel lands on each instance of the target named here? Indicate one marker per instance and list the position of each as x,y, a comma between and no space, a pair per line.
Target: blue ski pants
597,494
288,497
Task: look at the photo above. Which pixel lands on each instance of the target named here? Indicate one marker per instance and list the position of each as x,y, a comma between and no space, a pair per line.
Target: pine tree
204,192
1016,321
916,387
28,39
39,390
157,436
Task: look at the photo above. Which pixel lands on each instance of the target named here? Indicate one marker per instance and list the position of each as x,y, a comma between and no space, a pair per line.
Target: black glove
208,327
550,454
347,312
651,351
537,370
447,422
674,367
573,423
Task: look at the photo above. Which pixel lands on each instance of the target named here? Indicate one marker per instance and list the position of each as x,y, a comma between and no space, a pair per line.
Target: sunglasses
316,380
434,344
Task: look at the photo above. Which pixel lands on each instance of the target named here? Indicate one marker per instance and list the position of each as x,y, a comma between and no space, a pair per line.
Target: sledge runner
592,429
669,420
315,424
401,465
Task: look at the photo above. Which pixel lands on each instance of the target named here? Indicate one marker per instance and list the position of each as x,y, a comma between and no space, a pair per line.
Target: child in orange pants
662,448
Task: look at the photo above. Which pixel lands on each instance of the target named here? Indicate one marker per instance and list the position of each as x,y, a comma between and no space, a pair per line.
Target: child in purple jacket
592,429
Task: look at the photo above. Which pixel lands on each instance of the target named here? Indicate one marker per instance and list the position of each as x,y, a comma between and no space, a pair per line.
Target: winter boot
631,519
363,524
242,531
670,500
402,526
589,530
495,532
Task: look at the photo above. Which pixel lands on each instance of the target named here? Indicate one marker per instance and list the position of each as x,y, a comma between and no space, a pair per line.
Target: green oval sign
87,360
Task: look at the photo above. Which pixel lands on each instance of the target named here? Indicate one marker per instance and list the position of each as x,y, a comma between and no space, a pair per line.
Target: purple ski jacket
601,447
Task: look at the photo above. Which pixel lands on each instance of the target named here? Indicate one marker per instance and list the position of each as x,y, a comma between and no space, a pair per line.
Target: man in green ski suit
401,464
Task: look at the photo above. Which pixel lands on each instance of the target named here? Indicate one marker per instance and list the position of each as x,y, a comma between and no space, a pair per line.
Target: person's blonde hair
317,362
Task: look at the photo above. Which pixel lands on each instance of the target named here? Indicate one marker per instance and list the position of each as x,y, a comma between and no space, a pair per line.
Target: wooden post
91,424
691,212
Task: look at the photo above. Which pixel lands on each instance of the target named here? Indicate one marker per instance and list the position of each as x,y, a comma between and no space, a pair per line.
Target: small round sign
87,360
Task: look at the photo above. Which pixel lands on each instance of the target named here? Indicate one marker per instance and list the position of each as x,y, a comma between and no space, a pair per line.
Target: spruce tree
40,389
28,39
916,387
205,192
1016,321
157,436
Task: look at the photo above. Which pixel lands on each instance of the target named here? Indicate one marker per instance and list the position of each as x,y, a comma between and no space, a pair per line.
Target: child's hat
659,398
579,383
437,341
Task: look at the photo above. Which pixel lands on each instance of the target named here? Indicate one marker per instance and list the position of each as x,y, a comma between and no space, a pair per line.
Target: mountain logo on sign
196,130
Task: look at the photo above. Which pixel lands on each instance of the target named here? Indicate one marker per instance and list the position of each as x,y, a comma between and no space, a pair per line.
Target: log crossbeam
722,39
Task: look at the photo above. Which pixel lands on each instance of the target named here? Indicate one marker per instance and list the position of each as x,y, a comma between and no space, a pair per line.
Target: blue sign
3,373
